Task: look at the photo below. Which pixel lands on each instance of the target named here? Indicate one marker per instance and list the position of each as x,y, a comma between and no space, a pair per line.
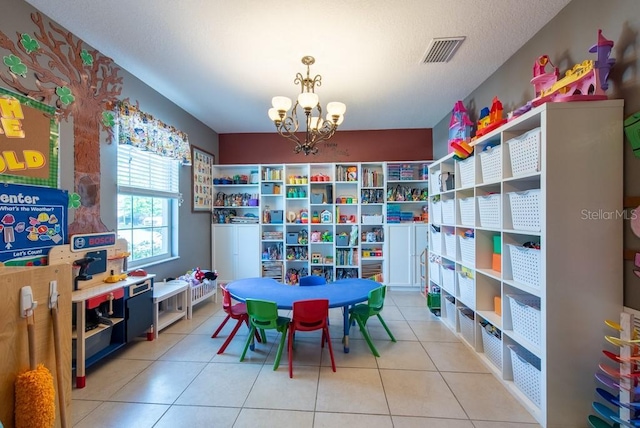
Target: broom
35,394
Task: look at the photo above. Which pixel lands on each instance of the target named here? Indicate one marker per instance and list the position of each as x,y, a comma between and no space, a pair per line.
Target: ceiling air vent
442,50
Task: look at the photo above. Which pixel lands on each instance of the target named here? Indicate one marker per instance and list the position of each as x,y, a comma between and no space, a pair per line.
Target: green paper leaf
87,59
15,65
74,200
108,119
29,44
65,95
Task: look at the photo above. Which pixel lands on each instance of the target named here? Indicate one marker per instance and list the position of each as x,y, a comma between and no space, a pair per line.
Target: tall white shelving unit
366,225
551,177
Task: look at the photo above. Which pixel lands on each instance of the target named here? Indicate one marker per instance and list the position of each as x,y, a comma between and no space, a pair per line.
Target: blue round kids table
341,293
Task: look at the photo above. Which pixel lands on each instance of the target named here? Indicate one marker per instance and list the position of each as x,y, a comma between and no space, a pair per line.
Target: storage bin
435,213
448,211
467,250
497,244
490,164
434,272
267,188
292,238
524,151
342,240
466,291
492,347
450,244
525,210
526,372
317,198
489,210
467,172
467,325
450,311
277,216
433,300
436,240
448,278
525,265
496,262
467,211
497,305
525,316
372,219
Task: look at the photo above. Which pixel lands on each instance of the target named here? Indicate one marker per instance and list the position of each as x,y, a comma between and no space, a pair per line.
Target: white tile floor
427,378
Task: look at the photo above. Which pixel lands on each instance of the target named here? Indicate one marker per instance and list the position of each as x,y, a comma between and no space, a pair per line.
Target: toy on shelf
490,119
460,131
586,81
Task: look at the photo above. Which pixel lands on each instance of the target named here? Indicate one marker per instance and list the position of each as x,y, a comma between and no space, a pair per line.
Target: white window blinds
147,174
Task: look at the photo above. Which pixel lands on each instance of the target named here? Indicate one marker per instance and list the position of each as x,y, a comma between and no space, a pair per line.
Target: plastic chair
237,312
263,315
310,315
312,280
362,312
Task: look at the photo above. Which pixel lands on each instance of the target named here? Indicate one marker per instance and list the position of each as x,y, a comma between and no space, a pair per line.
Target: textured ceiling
223,61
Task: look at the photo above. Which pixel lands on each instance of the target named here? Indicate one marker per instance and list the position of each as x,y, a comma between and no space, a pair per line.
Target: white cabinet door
399,260
236,251
420,242
247,251
222,249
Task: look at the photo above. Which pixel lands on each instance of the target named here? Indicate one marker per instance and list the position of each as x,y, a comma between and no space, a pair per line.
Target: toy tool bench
110,308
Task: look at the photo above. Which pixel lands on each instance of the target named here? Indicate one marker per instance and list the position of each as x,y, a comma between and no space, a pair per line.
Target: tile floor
427,378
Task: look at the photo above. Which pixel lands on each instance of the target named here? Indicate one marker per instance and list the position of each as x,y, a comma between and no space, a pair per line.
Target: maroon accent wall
347,146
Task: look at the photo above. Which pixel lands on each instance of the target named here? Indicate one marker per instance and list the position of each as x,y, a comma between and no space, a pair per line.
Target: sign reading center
92,241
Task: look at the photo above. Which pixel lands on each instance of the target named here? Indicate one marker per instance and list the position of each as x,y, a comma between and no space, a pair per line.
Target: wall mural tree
82,84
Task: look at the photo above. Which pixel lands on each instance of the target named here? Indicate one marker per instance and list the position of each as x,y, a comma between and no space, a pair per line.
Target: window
148,198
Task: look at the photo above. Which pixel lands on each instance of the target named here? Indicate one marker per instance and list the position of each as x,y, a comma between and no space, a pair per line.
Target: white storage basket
526,372
467,172
467,251
492,348
448,211
525,265
448,277
524,151
434,182
466,291
436,241
434,272
491,164
450,245
467,211
435,213
466,324
525,210
525,316
450,312
489,210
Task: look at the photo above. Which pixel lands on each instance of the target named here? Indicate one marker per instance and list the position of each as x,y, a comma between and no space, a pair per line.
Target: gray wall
567,39
194,229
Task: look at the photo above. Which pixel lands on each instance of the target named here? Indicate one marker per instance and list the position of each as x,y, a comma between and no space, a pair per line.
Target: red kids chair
238,312
310,315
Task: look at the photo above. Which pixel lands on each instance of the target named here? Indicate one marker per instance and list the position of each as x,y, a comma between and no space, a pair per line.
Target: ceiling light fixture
317,128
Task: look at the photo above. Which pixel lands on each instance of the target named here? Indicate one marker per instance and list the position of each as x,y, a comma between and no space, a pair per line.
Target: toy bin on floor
526,372
450,309
492,347
466,320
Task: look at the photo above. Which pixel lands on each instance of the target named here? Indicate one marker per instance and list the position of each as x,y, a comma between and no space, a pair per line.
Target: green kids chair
362,312
263,315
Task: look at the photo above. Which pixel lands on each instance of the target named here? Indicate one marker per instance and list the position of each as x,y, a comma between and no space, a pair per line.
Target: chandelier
317,128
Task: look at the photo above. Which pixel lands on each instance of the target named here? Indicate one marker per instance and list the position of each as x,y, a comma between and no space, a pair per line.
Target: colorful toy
460,131
490,119
586,81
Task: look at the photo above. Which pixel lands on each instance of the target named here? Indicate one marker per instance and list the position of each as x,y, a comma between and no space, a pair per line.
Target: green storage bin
433,300
497,244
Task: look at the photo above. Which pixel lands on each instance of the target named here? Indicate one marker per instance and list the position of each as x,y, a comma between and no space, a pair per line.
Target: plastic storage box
526,372
525,316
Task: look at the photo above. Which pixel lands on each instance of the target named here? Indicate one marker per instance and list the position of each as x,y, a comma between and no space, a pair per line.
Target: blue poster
32,220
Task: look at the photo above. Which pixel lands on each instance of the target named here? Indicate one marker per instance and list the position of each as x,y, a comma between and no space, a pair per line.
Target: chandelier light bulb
338,122
336,109
274,115
316,122
308,100
281,103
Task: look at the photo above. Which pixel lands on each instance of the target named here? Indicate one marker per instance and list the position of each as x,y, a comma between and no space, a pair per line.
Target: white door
247,251
222,251
399,260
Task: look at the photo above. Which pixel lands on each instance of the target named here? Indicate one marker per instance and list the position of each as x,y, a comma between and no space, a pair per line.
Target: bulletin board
201,179
28,141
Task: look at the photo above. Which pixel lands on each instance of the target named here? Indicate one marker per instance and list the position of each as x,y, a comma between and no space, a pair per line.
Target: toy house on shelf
490,119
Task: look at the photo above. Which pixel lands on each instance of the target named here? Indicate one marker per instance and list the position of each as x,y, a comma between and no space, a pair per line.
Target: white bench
175,300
